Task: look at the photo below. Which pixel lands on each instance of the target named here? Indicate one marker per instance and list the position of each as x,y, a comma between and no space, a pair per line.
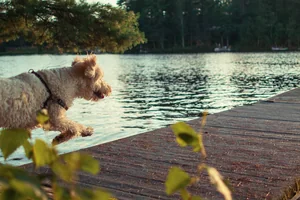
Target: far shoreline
136,52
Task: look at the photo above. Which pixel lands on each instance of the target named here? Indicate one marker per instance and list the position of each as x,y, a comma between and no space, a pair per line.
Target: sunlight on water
152,91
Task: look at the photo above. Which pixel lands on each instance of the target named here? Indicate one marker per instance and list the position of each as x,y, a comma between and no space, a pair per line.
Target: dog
22,96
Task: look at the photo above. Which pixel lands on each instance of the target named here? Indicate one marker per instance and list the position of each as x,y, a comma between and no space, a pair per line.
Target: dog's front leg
59,122
69,129
66,125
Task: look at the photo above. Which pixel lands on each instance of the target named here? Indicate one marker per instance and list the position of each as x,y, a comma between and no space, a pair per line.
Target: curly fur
23,95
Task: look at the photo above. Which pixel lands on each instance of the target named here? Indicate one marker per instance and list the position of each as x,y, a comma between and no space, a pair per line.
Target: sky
112,2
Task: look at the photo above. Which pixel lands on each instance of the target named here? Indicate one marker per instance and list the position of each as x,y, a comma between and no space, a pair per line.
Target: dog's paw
87,132
63,137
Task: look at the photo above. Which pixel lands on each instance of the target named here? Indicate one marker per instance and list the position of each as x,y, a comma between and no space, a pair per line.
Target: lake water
153,91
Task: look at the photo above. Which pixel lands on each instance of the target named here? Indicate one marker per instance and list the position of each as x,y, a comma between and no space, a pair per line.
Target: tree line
246,25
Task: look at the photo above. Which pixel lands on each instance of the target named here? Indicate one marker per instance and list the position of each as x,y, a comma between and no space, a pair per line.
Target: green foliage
11,139
66,167
177,179
18,184
69,25
196,198
28,149
42,116
62,172
43,154
185,136
81,161
61,193
85,194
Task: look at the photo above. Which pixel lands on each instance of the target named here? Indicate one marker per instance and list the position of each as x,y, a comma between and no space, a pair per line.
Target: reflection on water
151,91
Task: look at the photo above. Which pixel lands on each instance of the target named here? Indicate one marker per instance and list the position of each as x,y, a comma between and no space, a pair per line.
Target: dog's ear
76,60
88,65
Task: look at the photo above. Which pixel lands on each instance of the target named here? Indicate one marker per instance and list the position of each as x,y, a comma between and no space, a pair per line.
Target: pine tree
69,25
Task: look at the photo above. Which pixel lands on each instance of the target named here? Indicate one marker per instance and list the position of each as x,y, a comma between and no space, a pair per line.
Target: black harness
51,96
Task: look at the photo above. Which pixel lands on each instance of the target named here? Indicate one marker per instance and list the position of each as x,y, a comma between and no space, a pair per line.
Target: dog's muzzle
99,95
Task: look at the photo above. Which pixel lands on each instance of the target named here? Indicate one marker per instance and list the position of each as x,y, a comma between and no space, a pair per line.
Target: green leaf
11,195
62,171
89,164
196,198
217,180
184,194
21,182
93,194
177,179
28,149
42,116
28,189
11,139
60,193
43,154
73,162
3,182
186,135
82,161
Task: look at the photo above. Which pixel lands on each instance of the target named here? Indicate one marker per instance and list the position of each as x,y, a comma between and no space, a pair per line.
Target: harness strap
51,96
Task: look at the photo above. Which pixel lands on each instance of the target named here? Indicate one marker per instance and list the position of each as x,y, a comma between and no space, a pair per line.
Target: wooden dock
256,147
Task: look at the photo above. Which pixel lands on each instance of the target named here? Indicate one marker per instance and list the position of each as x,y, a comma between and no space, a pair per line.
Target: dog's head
91,85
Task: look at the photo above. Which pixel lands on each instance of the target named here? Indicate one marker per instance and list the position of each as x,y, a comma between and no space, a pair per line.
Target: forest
169,26
201,25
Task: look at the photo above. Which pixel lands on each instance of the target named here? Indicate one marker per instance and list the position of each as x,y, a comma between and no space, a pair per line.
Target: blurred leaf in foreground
185,195
20,183
186,135
43,154
66,167
93,194
82,161
42,116
60,193
177,179
63,171
28,149
9,193
11,139
196,198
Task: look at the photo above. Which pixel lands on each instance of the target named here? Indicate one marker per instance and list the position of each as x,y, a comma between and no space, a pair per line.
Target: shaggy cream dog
22,96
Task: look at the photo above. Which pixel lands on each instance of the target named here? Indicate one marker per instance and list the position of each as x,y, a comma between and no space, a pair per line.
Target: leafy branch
16,183
70,25
178,180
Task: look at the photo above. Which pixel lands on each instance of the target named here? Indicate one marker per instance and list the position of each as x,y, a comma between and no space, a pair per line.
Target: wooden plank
255,147
272,127
292,96
266,110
